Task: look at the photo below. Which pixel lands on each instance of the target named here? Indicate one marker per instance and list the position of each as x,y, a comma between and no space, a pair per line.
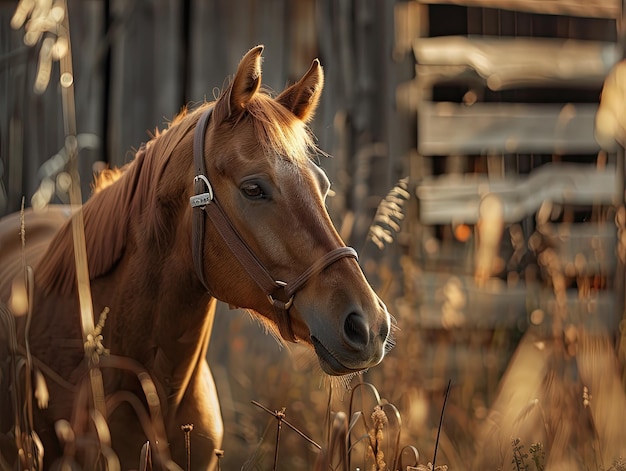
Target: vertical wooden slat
13,69
146,78
87,32
31,124
223,31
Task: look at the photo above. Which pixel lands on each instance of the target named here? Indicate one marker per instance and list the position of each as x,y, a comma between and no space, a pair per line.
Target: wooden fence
138,62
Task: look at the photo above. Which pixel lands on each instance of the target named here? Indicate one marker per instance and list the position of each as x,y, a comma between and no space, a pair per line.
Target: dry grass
555,403
539,396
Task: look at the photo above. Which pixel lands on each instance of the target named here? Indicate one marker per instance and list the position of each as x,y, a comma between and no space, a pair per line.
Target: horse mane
106,177
121,196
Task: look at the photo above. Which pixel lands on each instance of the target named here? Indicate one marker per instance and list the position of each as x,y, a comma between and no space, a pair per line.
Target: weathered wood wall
138,62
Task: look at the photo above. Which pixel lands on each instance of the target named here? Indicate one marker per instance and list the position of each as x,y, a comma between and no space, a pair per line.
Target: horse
227,203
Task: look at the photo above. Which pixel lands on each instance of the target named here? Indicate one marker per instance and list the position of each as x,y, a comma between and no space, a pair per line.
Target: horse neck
137,232
156,275
160,315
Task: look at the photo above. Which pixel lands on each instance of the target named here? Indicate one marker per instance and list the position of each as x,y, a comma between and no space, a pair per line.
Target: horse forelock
278,131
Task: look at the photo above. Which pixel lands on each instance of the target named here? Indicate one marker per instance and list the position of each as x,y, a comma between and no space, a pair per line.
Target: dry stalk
280,417
443,409
49,23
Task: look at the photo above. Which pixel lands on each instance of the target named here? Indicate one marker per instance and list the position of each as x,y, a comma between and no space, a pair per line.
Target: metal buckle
203,198
273,301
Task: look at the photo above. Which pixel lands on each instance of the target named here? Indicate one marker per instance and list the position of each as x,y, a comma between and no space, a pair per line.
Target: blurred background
474,168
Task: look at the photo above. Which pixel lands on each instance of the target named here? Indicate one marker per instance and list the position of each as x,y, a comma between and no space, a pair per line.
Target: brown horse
158,263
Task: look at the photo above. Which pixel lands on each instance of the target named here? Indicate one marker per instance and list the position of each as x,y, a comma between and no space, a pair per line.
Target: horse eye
253,191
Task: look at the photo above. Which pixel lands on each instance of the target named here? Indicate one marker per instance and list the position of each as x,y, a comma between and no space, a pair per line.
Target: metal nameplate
201,199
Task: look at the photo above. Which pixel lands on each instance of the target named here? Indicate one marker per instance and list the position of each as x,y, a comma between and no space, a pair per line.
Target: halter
205,202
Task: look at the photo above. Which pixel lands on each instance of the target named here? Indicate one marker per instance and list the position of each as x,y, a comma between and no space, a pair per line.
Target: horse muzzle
357,347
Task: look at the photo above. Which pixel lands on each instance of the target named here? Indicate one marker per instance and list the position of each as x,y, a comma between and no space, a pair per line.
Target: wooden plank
513,62
223,31
585,248
32,124
145,82
87,30
449,128
452,198
410,22
14,76
584,8
455,302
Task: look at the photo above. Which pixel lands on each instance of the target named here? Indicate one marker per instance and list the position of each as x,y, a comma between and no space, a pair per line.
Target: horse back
39,229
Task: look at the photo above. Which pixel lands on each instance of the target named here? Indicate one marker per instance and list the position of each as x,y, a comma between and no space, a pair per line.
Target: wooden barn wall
138,62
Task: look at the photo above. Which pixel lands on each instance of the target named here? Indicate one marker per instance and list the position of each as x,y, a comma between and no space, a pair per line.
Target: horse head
262,177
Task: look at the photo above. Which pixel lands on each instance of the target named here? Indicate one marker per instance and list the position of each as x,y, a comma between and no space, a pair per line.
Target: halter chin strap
205,202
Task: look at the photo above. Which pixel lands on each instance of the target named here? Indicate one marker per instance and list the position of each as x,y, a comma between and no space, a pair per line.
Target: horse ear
246,83
303,96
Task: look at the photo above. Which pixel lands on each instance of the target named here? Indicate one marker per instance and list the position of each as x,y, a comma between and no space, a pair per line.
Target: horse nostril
384,331
356,330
